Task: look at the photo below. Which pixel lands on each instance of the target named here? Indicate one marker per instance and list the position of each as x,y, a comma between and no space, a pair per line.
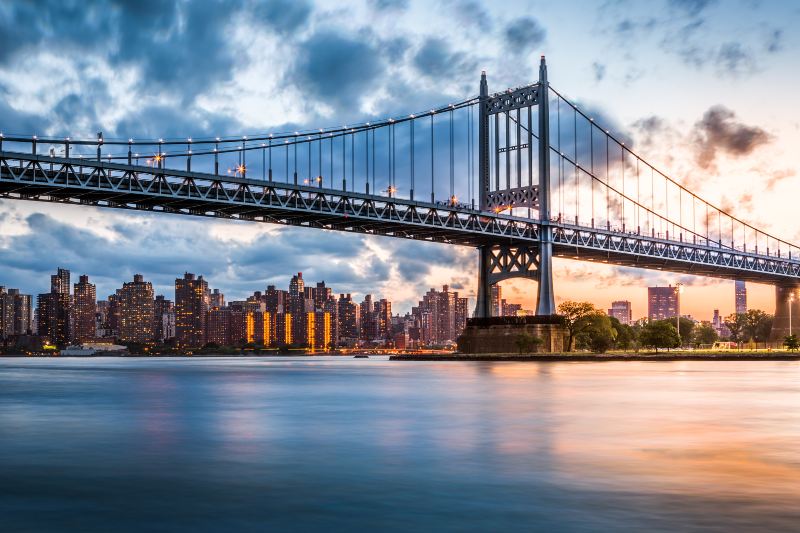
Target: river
342,444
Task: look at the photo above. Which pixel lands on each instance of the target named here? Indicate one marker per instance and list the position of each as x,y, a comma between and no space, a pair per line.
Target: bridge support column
545,298
786,296
483,307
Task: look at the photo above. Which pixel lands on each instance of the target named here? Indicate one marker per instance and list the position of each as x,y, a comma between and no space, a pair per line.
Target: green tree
704,334
625,335
527,343
597,334
792,343
575,318
686,329
660,334
736,325
758,325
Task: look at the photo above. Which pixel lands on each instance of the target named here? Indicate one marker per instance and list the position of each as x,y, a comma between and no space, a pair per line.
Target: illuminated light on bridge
585,193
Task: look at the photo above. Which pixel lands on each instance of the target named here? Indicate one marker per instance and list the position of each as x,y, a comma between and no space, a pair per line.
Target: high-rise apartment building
349,320
84,315
15,313
740,291
192,300
54,310
622,311
163,319
136,311
217,299
497,300
662,302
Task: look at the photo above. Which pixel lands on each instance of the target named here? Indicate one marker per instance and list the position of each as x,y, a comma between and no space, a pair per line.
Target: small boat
361,356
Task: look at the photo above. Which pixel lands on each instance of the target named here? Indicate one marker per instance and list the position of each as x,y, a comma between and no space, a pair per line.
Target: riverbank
560,357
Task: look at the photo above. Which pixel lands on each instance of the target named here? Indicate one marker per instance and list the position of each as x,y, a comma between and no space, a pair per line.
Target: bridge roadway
91,182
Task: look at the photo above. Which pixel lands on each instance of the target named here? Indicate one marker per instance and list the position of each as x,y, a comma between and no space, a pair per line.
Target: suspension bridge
522,175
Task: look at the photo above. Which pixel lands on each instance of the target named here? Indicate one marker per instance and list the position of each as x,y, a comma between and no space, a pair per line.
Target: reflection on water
342,444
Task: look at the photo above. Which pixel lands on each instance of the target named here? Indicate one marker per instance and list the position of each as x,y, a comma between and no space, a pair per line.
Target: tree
686,328
704,334
758,325
598,334
736,325
660,334
575,314
792,343
625,335
527,343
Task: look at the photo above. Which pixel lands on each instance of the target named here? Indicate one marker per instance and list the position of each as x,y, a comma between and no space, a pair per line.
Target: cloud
778,176
337,68
435,59
599,71
388,5
283,16
733,58
718,132
524,34
690,7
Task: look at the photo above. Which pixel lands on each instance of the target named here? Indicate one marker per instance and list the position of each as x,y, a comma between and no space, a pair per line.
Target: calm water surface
340,444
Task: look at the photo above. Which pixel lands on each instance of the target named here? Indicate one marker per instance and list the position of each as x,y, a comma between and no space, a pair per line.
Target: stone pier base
783,299
500,335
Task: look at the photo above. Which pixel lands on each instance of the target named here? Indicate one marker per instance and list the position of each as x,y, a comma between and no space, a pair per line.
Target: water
340,444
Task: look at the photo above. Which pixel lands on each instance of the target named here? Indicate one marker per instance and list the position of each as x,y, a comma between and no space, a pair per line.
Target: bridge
522,175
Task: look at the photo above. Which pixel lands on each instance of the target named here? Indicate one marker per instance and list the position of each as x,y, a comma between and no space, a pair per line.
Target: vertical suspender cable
452,161
433,187
411,151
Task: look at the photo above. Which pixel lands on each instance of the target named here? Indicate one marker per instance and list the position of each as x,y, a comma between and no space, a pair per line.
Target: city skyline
695,142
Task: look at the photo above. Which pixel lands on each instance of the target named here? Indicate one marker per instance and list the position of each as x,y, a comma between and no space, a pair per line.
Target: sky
704,89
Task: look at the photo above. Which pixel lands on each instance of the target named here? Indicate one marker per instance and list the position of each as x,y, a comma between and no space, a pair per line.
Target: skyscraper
662,302
622,311
84,318
349,320
191,311
741,297
136,311
54,310
163,316
497,297
217,299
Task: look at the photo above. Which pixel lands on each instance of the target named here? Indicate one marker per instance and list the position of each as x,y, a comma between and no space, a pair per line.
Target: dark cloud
435,59
691,7
733,58
718,132
470,13
337,68
599,71
283,16
524,34
388,5
774,41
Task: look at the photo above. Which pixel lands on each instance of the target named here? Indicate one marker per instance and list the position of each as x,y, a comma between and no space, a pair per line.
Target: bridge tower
506,137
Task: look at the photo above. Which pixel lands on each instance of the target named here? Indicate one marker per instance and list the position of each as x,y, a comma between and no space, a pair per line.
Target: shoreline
562,357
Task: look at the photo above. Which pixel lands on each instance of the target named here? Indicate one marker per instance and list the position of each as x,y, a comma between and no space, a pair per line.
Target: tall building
6,314
163,319
53,318
297,308
192,300
662,302
497,299
217,299
741,297
136,313
54,310
84,316
349,320
462,314
331,306
15,313
59,282
622,311
439,318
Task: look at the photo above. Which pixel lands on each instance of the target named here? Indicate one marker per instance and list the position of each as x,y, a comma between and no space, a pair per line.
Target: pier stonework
500,335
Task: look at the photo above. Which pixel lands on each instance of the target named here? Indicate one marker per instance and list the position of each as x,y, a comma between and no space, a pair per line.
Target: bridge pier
786,296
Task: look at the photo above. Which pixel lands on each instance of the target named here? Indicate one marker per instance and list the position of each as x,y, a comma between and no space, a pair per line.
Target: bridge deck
85,182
